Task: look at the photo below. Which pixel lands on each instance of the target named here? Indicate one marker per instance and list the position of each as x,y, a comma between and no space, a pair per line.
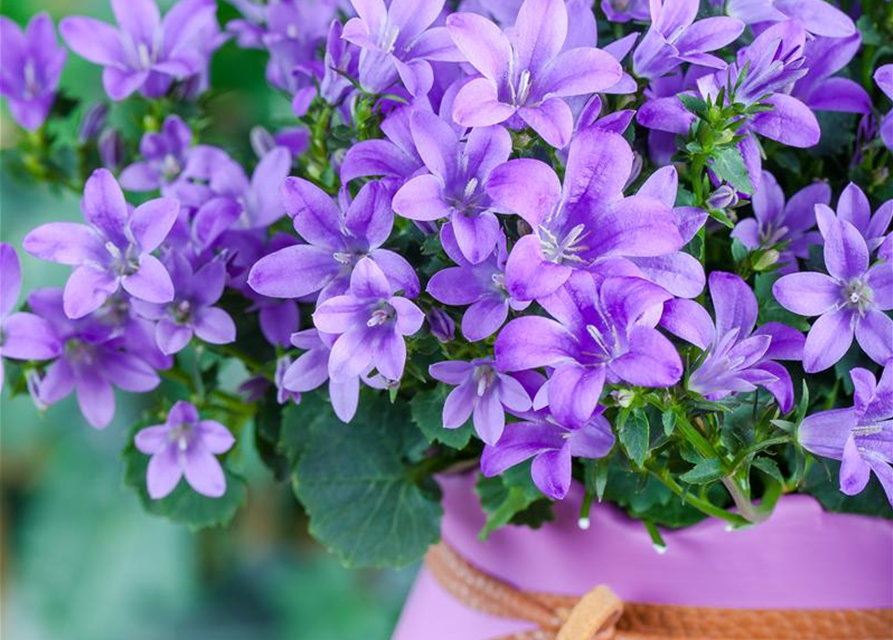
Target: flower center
770,236
558,250
31,86
124,263
380,316
170,167
486,376
522,92
857,295
144,55
182,311
607,339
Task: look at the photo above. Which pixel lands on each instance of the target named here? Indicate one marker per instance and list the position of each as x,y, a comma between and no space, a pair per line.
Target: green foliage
635,433
427,412
364,500
729,165
822,482
704,472
512,498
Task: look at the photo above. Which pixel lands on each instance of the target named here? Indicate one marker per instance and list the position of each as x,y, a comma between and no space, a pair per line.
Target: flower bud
723,198
441,325
766,260
624,397
111,149
262,141
93,122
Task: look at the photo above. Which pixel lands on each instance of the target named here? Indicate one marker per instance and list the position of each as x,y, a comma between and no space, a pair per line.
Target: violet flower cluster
562,199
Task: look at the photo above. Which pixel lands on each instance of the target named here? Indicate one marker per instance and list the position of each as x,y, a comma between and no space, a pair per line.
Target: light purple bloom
482,286
441,325
552,445
283,394
371,323
776,221
394,157
146,53
32,65
310,370
737,359
23,336
583,222
95,356
112,251
601,332
340,65
861,437
397,41
482,391
819,89
191,311
337,239
675,38
626,10
853,206
884,79
524,74
850,300
818,17
454,188
185,445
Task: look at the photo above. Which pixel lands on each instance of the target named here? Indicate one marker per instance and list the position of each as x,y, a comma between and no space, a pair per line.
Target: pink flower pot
802,557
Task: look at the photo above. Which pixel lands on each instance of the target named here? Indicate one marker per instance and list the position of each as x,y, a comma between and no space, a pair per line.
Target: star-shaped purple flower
113,250
454,188
337,239
884,79
32,65
371,323
737,358
23,336
191,311
850,299
185,445
586,220
524,74
552,445
853,207
481,391
601,332
481,286
861,437
145,53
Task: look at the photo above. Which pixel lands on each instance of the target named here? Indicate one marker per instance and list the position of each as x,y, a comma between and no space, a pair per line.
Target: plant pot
801,558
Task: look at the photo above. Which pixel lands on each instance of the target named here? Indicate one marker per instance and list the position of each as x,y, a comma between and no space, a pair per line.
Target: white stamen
144,54
471,187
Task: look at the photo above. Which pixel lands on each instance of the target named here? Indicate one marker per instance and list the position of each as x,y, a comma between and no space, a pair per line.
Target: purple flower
395,157
552,445
146,53
454,188
853,207
884,79
441,325
818,17
397,42
311,369
482,391
737,359
675,38
32,65
185,445
283,394
370,322
23,336
337,239
524,74
626,10
587,220
776,221
113,250
601,332
861,436
818,90
191,311
340,65
482,286
96,354
850,300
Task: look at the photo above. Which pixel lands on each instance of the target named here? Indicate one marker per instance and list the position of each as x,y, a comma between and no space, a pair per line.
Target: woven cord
601,615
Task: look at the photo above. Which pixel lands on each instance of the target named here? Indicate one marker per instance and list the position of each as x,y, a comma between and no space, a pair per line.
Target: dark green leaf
596,476
704,472
694,104
822,481
427,413
769,467
635,436
668,420
363,501
729,165
503,497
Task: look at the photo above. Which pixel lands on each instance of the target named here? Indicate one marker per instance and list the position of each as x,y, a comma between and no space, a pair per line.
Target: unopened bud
441,325
262,141
111,149
766,260
724,197
93,122
624,397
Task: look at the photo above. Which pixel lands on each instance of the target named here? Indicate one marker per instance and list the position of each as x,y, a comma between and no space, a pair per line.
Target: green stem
702,505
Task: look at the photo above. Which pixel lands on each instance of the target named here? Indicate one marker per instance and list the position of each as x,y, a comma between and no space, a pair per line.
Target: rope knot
593,617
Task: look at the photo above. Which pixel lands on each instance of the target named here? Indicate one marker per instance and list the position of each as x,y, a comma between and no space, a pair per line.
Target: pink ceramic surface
801,558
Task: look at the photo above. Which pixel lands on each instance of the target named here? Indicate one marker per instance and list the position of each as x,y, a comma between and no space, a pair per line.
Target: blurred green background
80,559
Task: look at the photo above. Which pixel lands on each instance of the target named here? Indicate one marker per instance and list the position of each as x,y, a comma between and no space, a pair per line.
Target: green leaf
739,251
706,471
668,420
694,104
729,165
506,496
427,413
184,505
822,481
361,496
769,467
635,436
596,476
